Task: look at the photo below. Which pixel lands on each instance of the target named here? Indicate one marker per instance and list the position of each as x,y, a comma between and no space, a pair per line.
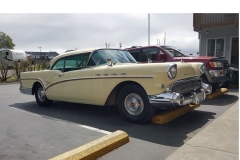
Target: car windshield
173,52
117,56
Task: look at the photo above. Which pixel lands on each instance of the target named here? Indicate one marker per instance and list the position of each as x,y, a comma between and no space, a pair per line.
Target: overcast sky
63,31
71,24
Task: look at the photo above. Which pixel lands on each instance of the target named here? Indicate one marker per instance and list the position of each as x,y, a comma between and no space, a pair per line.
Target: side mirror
109,62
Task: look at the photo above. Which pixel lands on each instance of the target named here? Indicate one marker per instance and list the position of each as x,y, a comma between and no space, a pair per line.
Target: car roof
140,47
78,52
70,53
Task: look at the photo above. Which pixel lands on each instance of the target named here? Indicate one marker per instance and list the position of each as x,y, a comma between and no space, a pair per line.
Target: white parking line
95,129
26,112
62,121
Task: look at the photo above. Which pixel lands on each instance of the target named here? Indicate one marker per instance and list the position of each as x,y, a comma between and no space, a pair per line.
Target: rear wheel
133,104
41,97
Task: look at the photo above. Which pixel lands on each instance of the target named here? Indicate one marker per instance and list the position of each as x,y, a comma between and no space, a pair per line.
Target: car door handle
60,75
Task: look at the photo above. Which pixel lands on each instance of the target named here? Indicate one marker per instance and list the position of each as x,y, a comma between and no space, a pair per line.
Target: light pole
148,29
40,52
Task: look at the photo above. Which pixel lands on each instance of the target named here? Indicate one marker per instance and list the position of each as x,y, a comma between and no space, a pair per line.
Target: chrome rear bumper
25,90
172,100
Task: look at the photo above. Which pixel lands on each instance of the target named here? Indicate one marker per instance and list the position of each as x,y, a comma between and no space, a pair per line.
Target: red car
217,69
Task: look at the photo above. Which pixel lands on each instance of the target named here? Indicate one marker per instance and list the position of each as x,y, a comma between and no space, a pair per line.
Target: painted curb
217,93
96,148
172,114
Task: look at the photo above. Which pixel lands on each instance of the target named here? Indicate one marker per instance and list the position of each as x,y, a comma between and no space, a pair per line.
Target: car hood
198,57
184,70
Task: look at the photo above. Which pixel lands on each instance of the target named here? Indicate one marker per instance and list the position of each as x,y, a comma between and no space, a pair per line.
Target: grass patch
11,79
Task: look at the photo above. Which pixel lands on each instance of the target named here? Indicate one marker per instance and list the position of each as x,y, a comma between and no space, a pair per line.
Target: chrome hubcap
134,104
41,94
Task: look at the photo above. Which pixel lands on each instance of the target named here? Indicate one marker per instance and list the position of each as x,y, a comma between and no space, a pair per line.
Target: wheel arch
34,86
112,97
204,77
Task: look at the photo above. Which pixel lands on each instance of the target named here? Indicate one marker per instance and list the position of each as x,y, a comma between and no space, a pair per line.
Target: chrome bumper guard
173,100
25,90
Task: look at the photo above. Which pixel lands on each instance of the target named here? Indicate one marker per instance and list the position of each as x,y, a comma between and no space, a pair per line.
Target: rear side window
150,53
76,62
71,63
135,54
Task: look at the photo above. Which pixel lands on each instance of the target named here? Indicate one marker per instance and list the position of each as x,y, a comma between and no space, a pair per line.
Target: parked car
113,77
216,68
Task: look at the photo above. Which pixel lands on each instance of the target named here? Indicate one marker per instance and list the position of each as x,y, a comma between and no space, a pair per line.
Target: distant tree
19,67
6,41
4,71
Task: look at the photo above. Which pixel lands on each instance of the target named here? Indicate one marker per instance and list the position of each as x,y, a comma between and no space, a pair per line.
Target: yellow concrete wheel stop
217,93
172,114
96,148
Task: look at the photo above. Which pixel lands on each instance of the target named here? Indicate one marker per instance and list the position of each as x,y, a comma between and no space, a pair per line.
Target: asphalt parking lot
28,131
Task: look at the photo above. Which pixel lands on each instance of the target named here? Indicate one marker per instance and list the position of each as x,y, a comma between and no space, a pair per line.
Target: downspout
148,29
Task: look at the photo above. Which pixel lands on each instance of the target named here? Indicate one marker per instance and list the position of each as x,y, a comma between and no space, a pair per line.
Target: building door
235,51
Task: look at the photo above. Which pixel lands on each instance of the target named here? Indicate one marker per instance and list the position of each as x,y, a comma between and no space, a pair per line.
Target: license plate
222,72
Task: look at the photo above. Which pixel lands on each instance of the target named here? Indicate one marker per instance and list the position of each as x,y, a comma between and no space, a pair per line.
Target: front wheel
41,97
133,104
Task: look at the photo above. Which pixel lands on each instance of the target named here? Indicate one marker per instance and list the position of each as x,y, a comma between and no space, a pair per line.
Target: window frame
215,46
138,51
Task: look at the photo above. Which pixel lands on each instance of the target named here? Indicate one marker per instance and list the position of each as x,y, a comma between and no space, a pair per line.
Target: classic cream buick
113,77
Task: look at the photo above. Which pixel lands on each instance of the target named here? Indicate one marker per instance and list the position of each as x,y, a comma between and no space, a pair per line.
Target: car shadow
223,100
108,118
